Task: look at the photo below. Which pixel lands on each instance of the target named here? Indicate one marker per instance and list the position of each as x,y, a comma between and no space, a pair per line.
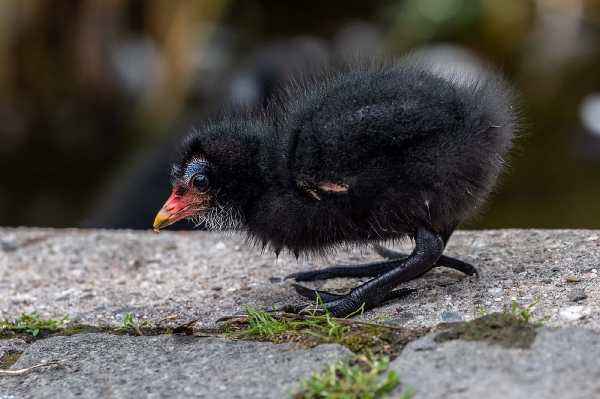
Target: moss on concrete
8,360
497,328
360,337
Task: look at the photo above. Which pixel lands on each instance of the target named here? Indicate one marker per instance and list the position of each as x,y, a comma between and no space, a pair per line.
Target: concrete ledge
98,276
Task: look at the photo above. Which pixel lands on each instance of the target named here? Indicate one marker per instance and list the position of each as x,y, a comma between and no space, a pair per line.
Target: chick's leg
377,268
367,270
328,296
428,249
444,260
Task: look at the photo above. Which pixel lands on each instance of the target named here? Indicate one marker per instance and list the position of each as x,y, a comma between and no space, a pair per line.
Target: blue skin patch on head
194,168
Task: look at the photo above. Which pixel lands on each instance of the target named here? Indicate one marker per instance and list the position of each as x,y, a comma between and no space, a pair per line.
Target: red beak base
173,210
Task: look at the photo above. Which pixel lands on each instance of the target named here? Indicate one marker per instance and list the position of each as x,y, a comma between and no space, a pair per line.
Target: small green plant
524,313
321,324
325,327
318,323
478,312
357,377
262,323
129,324
32,323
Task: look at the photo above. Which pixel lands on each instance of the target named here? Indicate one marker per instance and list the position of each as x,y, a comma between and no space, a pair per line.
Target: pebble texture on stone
99,276
108,366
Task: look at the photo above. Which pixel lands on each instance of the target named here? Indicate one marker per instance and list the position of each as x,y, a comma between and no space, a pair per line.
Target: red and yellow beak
173,210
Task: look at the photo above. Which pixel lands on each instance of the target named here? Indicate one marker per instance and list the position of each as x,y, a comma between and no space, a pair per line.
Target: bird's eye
200,182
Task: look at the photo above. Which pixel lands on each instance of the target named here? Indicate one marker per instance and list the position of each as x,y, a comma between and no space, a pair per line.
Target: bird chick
358,155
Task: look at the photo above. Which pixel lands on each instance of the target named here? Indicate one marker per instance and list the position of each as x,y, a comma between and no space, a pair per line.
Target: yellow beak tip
160,221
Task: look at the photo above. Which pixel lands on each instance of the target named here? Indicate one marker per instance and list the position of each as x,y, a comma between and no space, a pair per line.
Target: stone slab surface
562,363
99,276
108,366
96,277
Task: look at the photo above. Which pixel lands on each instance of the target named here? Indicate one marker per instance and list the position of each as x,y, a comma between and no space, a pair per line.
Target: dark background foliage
94,94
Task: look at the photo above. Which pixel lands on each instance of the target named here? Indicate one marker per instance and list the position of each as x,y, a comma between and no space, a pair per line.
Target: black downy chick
354,156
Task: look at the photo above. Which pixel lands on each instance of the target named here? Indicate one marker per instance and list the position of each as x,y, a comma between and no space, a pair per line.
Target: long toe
331,272
314,294
457,264
357,271
325,296
331,301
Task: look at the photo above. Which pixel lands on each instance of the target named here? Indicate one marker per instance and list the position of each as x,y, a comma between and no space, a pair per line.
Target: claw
293,275
308,275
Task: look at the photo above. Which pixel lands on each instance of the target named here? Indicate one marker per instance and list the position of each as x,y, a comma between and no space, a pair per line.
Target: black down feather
355,155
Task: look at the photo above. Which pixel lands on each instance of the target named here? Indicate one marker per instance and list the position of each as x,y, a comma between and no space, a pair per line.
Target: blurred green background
94,94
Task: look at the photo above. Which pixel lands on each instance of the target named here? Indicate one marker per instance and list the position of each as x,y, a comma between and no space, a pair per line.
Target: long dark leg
376,269
328,296
444,260
428,249
389,254
367,270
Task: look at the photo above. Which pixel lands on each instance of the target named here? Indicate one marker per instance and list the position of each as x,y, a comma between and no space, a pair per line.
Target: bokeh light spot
589,112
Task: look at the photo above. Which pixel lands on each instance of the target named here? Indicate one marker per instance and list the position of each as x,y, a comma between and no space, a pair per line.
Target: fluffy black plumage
355,155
